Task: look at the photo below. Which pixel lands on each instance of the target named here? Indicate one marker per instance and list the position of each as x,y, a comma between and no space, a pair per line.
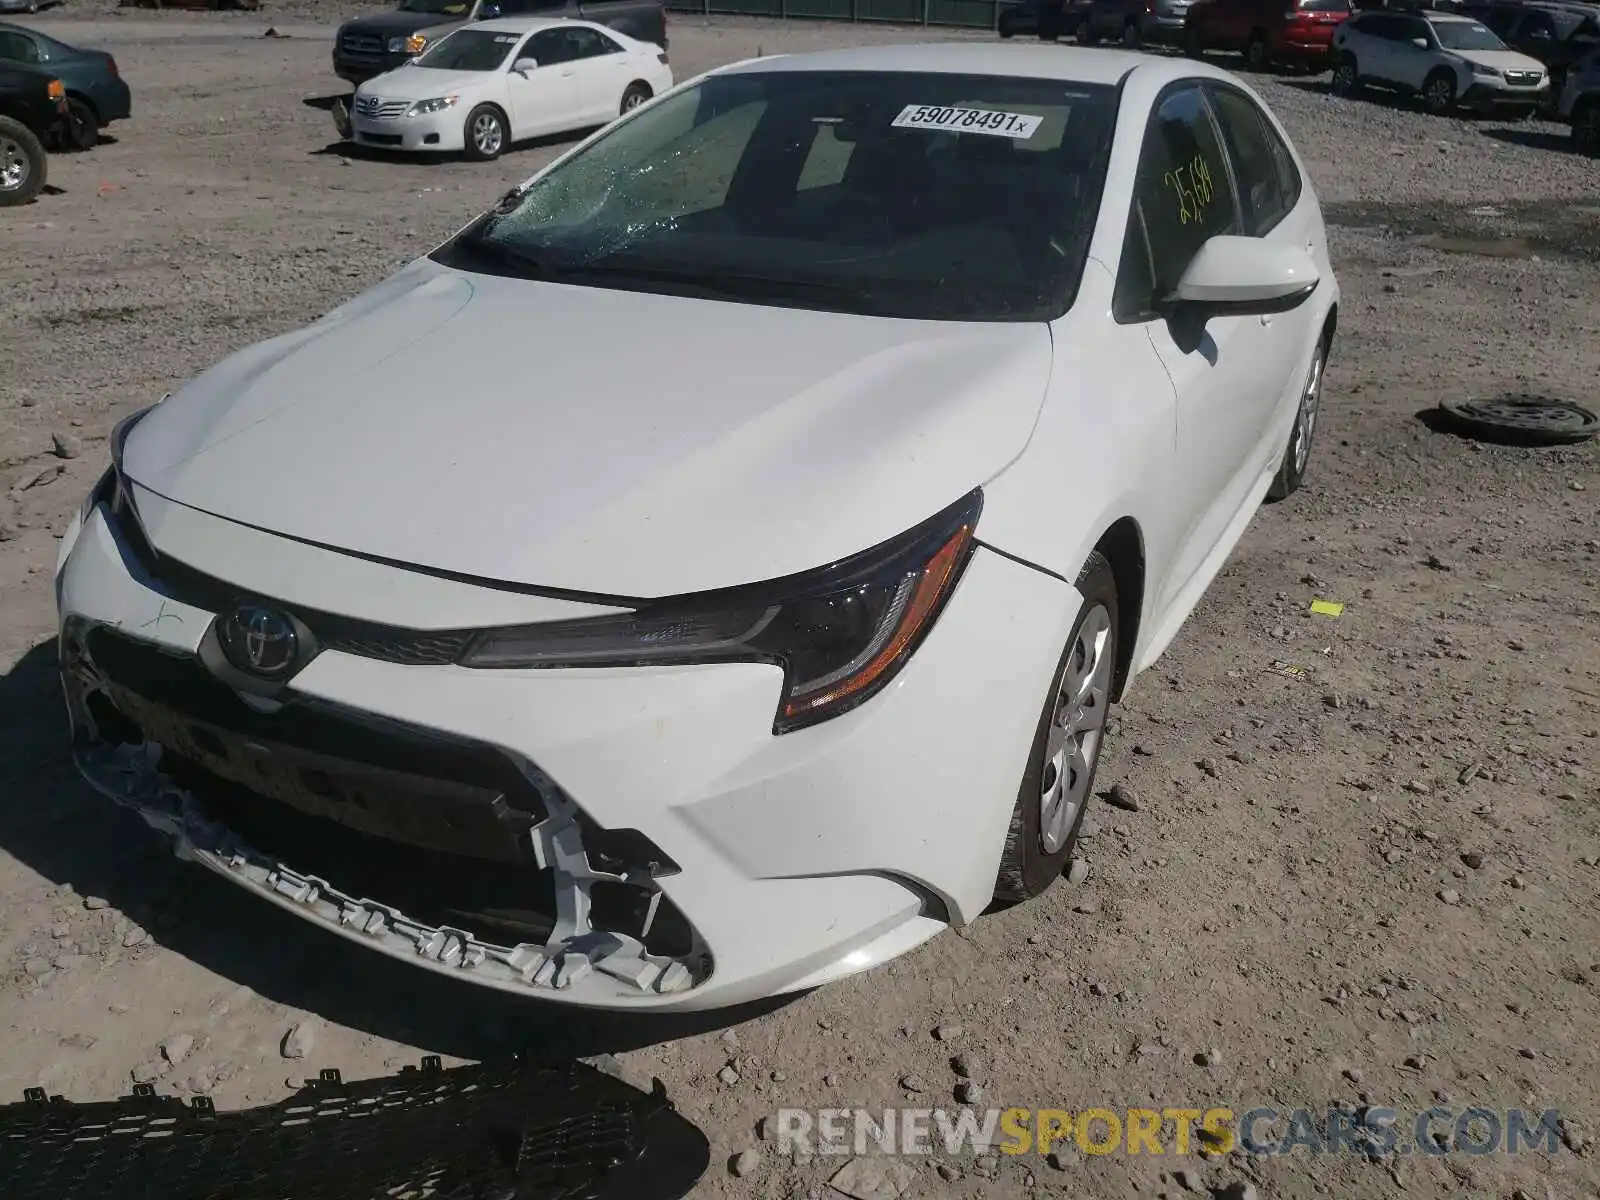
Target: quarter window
1268,182
1183,195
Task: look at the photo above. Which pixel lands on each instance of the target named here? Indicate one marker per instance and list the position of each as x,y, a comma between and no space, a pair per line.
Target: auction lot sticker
968,120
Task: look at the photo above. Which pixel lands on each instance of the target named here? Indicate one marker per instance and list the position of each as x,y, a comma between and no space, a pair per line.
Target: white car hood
1501,60
595,440
422,83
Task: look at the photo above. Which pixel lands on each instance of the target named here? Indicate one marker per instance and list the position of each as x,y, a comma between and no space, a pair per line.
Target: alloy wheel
1305,425
1586,128
487,134
1438,95
1344,77
14,166
1077,721
632,101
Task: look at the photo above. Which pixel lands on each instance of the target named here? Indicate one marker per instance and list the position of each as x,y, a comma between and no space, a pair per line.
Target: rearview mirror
523,65
1234,276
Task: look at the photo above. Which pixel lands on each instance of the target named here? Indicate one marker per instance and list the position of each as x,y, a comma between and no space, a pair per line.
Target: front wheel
1066,745
1297,455
486,133
1586,128
1346,79
83,127
1439,93
22,163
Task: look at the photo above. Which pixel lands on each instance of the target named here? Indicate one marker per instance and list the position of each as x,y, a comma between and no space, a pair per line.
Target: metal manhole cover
1526,420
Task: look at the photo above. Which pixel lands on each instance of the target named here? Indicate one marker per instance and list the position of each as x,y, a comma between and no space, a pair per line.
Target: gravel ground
1375,877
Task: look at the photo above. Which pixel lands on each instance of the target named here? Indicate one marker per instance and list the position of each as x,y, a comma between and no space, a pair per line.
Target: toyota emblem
259,641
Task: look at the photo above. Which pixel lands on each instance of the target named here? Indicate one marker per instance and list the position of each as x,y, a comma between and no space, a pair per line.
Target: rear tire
1074,716
23,163
636,95
1297,454
1257,57
1586,128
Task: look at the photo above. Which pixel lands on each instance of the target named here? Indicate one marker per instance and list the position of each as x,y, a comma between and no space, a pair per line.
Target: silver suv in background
1579,105
1449,61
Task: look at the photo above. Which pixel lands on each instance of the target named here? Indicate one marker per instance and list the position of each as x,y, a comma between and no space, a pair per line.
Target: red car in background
1266,32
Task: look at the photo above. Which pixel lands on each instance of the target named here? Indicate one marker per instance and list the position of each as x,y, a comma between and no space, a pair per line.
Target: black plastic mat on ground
496,1131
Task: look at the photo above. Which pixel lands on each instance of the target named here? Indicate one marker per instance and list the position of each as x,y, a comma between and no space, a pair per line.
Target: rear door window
1267,191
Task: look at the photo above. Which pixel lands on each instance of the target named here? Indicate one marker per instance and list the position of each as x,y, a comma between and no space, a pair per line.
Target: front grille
1522,78
349,635
384,777
361,43
381,110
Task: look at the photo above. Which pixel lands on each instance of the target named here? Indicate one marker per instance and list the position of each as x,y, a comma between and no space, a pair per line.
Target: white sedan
759,644
488,85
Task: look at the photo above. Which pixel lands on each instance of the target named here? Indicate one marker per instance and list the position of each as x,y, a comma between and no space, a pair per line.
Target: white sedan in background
488,85
759,647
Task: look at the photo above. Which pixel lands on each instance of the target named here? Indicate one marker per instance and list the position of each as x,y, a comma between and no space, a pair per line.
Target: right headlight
840,634
438,104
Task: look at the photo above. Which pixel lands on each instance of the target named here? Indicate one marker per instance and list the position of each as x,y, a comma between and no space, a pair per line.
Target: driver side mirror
523,65
1420,43
1245,276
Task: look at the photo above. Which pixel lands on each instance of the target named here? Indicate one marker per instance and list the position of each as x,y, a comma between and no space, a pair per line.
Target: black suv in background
33,110
369,46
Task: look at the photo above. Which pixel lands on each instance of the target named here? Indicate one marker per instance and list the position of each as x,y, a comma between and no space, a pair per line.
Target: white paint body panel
429,452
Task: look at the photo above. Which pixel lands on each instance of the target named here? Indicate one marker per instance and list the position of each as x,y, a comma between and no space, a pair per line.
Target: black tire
481,143
1086,33
1292,470
1132,39
1522,420
1026,869
1439,93
1346,79
22,156
1586,128
83,126
636,95
1257,57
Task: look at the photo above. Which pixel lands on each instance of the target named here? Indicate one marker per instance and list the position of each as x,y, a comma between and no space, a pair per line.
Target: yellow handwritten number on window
1191,184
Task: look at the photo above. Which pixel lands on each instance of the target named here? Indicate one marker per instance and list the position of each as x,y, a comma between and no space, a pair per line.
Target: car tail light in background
111,65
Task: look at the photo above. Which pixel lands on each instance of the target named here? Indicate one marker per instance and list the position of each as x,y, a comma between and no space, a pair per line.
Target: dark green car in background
96,93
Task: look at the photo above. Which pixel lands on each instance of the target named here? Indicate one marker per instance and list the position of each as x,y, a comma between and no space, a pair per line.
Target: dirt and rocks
1350,859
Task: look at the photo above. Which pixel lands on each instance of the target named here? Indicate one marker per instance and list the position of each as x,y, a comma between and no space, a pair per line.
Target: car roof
1439,18
1069,64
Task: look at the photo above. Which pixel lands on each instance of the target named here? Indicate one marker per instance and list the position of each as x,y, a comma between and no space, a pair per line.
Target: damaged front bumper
569,961
131,776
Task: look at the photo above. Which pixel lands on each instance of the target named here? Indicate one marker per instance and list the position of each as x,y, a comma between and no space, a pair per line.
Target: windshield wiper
729,285
500,258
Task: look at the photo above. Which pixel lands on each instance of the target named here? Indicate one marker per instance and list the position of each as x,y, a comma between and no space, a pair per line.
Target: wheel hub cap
1306,423
1077,720
486,134
13,165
